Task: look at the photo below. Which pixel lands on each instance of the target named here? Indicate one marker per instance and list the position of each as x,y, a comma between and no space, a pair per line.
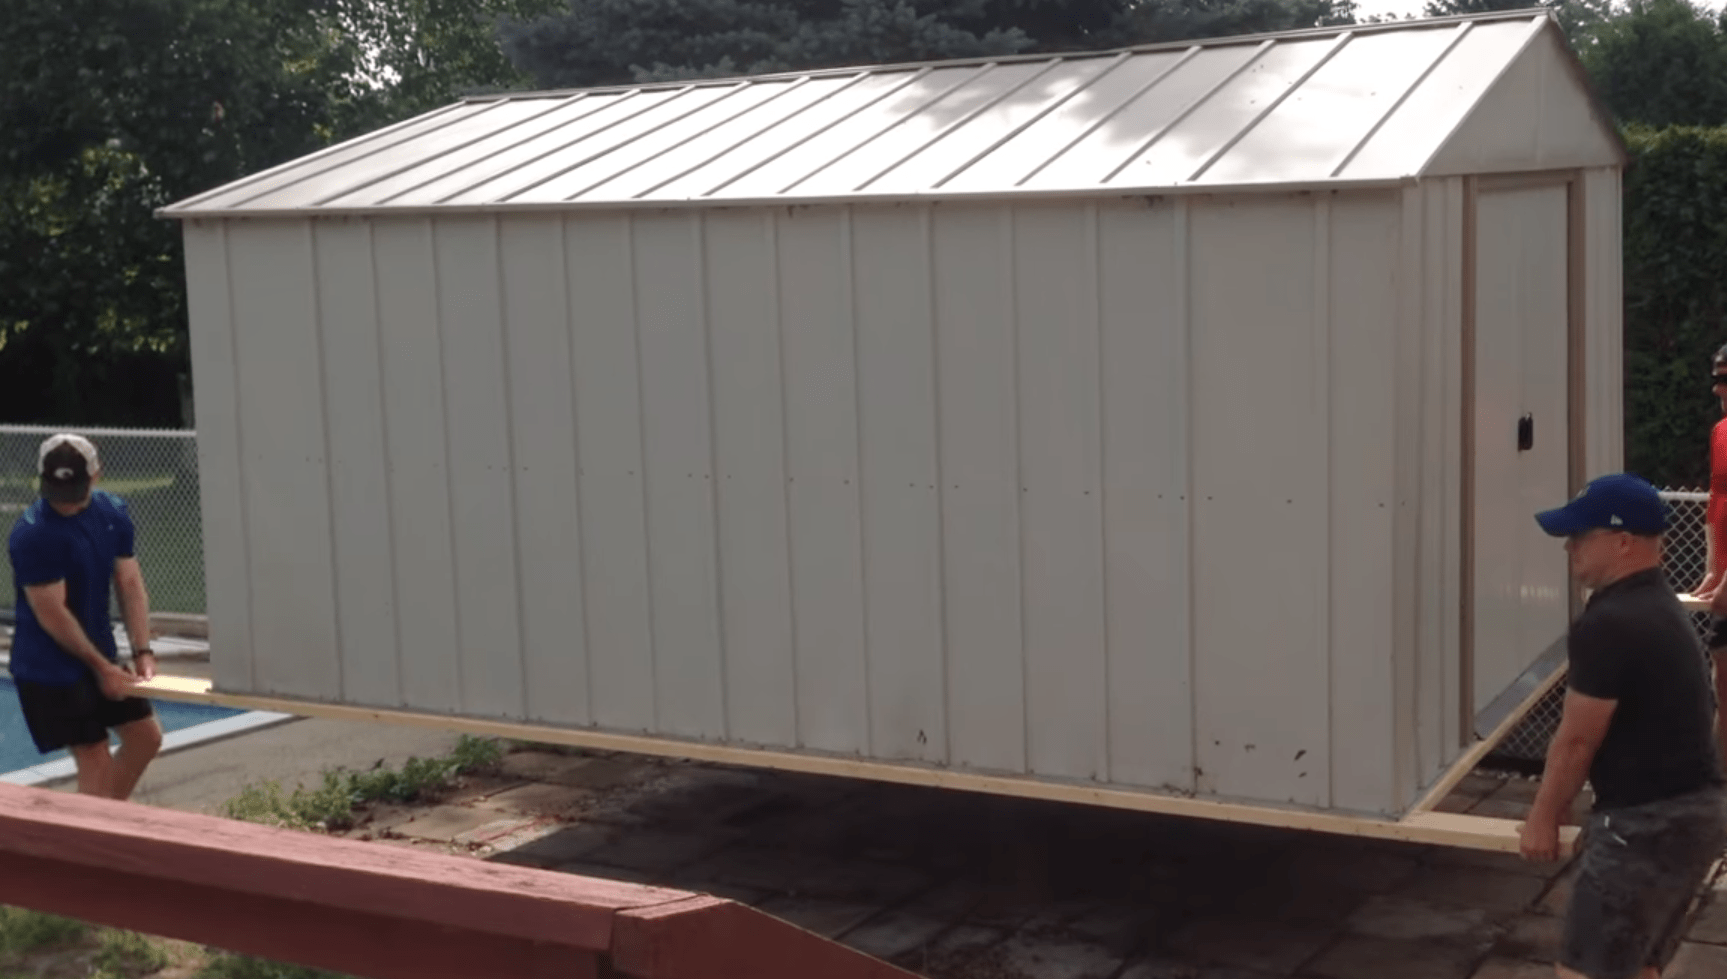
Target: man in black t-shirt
1639,724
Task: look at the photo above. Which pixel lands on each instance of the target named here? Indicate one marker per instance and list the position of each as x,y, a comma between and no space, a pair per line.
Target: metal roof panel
1363,104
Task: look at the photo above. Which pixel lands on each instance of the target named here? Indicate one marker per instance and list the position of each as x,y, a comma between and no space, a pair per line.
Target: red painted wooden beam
379,911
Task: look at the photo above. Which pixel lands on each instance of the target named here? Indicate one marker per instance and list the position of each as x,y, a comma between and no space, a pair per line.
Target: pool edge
186,737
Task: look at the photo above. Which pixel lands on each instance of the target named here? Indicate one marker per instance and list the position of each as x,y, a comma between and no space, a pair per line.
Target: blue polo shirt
79,550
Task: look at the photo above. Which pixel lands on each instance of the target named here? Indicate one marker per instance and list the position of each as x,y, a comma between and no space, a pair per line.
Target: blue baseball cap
1617,501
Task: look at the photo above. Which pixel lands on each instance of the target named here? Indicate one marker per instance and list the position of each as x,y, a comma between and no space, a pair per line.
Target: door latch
1526,433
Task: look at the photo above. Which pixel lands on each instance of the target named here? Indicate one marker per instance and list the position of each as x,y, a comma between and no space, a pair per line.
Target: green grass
127,954
224,965
330,805
23,931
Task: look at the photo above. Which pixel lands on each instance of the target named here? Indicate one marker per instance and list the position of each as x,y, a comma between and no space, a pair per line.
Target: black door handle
1526,433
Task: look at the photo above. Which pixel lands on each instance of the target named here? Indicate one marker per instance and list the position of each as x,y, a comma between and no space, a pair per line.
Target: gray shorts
1639,870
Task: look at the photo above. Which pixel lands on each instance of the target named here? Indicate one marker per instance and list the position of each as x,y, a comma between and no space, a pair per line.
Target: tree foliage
1661,63
416,55
113,108
607,42
1176,20
1578,18
603,42
1675,297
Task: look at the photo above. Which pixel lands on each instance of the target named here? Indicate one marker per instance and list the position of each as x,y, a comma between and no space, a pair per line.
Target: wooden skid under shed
1421,824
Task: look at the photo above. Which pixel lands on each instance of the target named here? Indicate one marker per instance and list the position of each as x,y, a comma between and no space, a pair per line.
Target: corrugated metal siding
1367,104
962,484
1522,589
1358,286
1604,313
1260,441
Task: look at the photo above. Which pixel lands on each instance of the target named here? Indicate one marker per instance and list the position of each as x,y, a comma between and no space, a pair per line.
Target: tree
113,108
1675,297
1578,18
416,55
1661,63
609,42
1179,20
606,42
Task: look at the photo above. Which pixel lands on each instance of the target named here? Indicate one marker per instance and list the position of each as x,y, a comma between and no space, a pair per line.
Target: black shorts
75,715
1641,866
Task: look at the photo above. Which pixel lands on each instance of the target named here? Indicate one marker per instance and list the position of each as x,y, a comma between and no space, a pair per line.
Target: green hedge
1675,298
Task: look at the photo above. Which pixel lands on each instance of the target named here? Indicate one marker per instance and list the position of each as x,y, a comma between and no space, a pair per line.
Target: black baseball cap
66,465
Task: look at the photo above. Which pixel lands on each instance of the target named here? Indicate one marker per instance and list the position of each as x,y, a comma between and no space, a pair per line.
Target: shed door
1521,445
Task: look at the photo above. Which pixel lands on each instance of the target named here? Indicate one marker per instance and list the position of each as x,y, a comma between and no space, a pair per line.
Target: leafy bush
1675,298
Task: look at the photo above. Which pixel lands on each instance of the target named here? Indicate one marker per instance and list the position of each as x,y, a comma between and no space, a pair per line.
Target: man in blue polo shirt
65,549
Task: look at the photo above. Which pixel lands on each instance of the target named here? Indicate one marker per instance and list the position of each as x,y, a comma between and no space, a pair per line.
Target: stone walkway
958,886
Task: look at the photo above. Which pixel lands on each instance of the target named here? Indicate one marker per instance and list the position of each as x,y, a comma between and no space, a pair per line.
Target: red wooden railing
380,911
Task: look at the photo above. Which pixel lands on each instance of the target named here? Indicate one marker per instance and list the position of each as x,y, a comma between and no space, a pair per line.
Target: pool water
18,751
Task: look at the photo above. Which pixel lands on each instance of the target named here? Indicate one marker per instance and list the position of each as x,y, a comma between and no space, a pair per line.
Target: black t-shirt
1634,643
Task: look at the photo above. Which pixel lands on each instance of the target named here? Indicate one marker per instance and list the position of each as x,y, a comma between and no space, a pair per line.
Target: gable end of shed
1539,114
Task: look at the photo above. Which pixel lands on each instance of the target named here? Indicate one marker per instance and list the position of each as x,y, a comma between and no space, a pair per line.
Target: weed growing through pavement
331,805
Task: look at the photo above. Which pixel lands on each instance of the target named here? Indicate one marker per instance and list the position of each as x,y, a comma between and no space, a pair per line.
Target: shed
1155,427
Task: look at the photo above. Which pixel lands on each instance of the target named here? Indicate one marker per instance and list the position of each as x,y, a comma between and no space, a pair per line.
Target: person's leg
134,720
1637,878
140,741
95,767
69,716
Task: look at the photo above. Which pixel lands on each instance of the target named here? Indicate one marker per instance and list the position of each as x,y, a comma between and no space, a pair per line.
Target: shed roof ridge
1086,54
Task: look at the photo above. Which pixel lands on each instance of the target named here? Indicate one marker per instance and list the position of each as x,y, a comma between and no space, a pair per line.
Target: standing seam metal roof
1354,106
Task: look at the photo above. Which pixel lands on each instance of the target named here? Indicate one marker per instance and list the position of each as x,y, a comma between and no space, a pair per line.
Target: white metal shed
1139,428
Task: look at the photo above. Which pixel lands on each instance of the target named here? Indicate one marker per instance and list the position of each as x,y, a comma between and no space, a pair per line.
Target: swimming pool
18,752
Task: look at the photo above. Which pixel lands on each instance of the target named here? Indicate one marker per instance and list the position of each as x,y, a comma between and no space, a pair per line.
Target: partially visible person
1711,589
1715,519
1638,724
66,548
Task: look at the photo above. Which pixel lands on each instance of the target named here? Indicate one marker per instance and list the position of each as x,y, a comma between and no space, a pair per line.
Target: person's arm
1710,589
48,604
1711,571
135,612
1582,728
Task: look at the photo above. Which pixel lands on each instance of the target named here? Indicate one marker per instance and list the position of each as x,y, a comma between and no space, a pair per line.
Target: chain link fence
1685,556
156,473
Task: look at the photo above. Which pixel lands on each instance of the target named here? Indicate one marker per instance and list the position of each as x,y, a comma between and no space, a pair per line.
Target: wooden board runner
1471,832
